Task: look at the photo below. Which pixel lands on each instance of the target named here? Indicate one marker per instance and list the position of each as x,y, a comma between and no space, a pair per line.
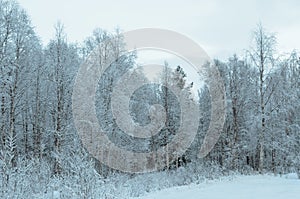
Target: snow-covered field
241,187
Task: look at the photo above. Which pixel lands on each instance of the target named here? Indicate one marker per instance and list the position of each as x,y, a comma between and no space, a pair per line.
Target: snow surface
241,187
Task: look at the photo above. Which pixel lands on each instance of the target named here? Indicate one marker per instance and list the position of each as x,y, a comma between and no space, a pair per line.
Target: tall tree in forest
18,48
62,63
262,56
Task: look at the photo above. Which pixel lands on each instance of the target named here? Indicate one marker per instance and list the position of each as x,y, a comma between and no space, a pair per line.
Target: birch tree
262,56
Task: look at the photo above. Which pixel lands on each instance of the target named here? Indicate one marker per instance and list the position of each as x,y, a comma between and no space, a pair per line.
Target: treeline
262,127
261,131
36,88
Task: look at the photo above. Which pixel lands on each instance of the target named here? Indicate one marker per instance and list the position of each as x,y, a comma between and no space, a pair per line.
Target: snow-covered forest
42,155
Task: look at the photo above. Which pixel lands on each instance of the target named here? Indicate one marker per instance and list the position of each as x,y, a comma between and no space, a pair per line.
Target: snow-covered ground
241,187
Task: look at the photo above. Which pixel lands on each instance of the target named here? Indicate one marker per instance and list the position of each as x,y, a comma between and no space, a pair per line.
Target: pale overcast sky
220,27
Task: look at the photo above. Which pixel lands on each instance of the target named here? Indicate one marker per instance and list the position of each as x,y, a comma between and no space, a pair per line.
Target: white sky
220,27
